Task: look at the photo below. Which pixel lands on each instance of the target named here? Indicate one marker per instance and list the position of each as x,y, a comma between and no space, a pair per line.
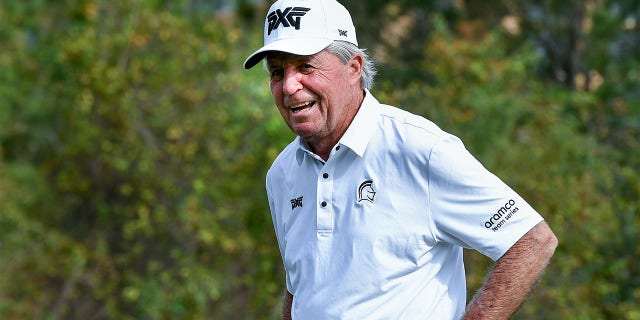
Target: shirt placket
325,207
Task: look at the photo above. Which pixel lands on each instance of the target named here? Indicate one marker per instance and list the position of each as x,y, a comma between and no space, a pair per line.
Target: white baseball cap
303,27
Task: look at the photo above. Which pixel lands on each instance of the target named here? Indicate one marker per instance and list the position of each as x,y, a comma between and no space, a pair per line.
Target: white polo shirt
377,231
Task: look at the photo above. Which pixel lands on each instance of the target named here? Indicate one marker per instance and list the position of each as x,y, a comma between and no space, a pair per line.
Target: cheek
274,89
276,93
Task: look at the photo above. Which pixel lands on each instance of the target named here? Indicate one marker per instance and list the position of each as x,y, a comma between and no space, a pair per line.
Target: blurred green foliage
133,148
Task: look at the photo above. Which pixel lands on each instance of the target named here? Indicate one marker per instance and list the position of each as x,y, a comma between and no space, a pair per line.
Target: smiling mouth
302,106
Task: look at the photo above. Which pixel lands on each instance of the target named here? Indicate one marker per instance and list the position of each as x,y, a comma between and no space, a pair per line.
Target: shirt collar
357,135
361,128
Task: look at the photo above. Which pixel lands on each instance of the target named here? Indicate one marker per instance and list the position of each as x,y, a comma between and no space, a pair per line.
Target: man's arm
286,305
514,275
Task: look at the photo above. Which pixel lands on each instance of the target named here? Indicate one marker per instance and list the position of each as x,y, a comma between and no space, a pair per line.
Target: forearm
286,305
514,276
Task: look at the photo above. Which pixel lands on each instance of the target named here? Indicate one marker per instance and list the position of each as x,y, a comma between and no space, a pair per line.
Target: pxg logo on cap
289,17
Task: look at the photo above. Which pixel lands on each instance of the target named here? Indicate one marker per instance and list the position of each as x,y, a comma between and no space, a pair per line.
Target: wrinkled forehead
281,57
278,58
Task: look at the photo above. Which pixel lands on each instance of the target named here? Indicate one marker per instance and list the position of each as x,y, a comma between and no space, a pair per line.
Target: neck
322,146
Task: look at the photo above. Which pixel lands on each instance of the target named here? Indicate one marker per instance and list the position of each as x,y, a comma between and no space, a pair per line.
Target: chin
303,131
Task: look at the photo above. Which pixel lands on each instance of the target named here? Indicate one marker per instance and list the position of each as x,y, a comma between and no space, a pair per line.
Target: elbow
547,240
552,244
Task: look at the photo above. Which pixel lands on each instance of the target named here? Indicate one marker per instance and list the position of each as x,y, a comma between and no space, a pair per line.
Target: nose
291,81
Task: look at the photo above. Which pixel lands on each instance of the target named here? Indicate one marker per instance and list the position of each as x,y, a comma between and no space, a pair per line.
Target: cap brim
301,47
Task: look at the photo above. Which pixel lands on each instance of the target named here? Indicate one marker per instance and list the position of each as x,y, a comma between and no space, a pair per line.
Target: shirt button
337,148
325,175
323,204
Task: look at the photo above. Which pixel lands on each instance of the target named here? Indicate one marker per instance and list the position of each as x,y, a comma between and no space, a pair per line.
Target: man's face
314,93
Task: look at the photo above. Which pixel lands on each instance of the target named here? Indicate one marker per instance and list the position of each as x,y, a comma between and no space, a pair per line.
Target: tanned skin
286,305
318,96
514,276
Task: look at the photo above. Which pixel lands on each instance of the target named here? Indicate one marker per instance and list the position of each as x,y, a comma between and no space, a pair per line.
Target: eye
306,68
276,74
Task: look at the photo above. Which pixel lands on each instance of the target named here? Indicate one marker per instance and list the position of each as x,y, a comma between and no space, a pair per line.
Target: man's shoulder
286,156
409,122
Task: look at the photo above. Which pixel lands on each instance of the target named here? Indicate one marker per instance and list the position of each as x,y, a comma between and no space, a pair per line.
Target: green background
133,146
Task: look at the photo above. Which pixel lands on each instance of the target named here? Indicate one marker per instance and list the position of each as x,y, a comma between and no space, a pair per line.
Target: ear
356,63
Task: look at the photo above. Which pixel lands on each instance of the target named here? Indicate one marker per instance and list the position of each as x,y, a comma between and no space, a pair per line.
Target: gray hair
345,51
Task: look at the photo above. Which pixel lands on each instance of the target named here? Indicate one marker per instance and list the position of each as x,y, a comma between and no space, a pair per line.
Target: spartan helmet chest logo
366,191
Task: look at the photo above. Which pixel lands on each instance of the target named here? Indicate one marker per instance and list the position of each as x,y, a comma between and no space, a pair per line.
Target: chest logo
366,191
296,202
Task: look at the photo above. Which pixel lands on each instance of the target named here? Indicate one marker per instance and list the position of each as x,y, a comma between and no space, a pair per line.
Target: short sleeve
276,226
470,206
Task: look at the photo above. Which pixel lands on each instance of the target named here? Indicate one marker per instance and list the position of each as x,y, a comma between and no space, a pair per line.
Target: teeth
295,106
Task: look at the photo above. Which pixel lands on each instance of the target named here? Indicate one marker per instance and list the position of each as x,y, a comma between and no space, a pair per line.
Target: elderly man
372,206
